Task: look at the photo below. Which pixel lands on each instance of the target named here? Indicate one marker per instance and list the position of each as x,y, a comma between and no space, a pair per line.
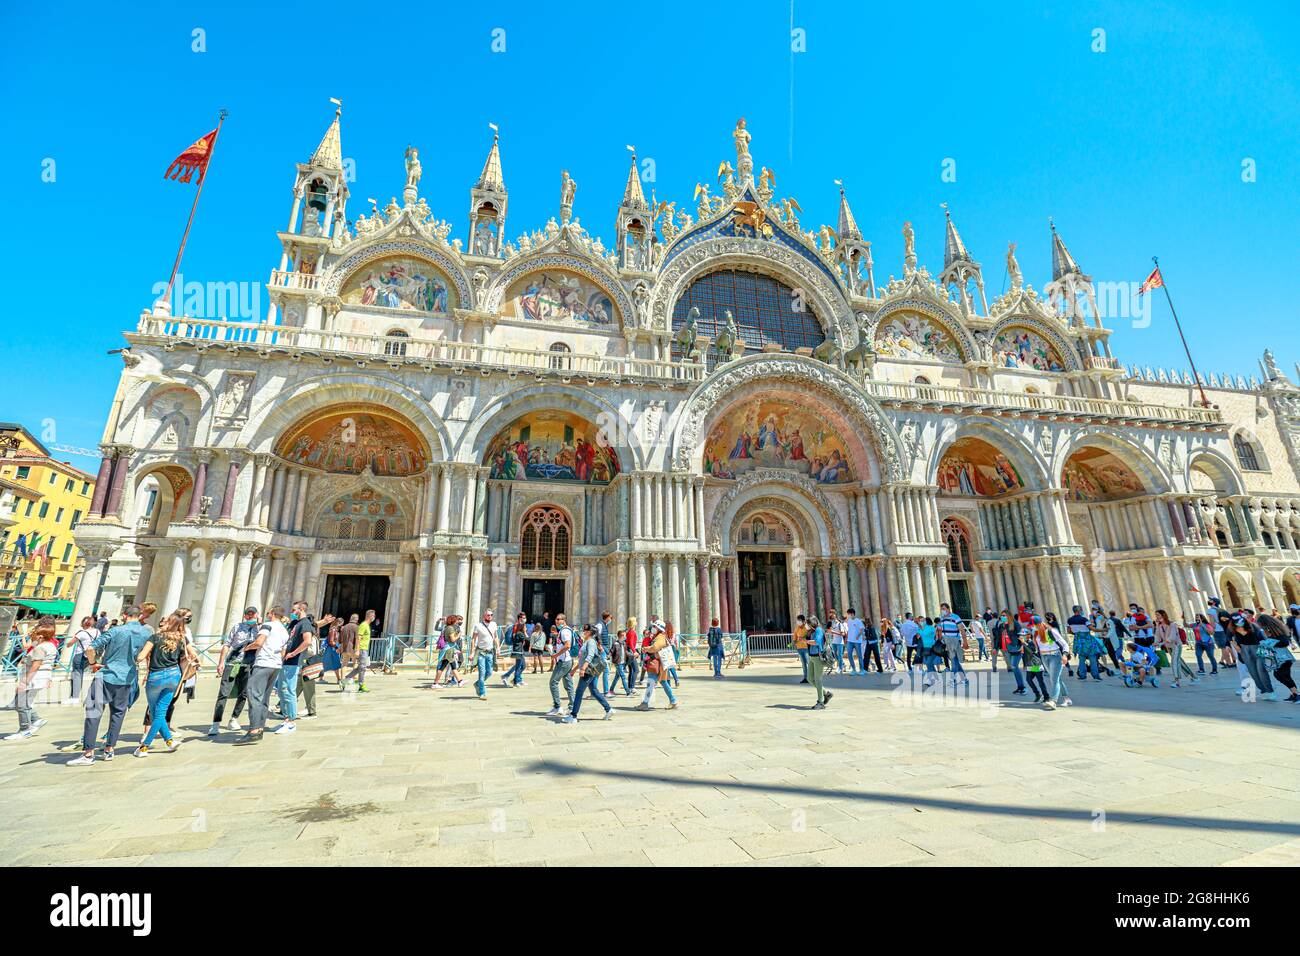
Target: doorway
348,594
959,597
764,592
541,595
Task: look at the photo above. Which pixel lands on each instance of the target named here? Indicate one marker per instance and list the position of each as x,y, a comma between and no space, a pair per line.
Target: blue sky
1135,151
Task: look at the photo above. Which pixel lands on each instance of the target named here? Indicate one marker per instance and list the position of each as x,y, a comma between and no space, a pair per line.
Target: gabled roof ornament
329,154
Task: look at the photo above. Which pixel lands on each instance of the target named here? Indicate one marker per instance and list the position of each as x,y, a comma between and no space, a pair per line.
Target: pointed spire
633,197
1062,262
329,154
490,179
954,250
847,228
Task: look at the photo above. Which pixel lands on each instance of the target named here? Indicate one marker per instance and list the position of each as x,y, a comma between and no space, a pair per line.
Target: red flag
1154,281
194,159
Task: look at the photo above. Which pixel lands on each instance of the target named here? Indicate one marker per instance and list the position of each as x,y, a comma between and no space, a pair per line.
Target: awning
57,608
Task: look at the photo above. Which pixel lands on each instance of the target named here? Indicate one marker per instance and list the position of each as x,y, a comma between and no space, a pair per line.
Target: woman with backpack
715,648
448,653
590,666
818,652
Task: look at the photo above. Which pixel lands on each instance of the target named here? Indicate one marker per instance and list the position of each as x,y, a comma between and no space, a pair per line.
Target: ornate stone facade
942,450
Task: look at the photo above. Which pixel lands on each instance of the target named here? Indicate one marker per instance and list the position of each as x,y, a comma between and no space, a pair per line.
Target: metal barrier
770,645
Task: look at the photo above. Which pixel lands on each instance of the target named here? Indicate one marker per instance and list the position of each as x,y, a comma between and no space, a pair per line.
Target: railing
769,645
395,348
420,650
960,395
295,280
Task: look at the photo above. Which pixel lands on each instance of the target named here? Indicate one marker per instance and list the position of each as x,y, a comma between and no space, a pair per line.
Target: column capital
203,455
263,458
245,550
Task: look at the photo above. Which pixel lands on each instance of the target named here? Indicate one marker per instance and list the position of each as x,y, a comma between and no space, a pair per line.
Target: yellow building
42,501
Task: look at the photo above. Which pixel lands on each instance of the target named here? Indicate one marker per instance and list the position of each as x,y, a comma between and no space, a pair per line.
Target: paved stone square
743,773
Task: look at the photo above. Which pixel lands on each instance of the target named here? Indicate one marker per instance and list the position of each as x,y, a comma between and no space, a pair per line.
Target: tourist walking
233,668
449,644
658,658
561,665
517,638
1054,651
268,649
163,655
297,646
909,631
618,660
632,643
716,650
1246,638
80,643
364,632
605,634
950,629
818,658
835,634
1203,635
855,638
800,636
591,664
536,647
1034,674
889,639
484,646
35,674
112,657
1007,635
1276,652
1170,638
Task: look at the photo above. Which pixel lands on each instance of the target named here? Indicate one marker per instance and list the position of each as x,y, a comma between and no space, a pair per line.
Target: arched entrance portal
764,541
545,538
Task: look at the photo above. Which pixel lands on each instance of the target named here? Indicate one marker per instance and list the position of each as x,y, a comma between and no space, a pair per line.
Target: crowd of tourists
282,654
1042,654
605,658
286,653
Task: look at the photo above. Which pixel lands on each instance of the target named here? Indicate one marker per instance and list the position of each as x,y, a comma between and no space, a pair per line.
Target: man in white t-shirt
855,632
268,650
484,645
563,660
909,630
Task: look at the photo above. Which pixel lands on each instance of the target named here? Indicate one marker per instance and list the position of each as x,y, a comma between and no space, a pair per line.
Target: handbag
314,667
652,664
189,664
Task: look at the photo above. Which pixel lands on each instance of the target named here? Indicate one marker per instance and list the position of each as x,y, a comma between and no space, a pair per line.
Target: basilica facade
724,414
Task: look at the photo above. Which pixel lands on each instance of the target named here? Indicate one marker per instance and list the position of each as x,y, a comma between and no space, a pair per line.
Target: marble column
438,604
462,604
228,496
239,590
205,623
420,599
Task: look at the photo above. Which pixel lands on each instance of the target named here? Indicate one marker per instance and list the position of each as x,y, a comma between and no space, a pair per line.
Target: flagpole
1179,326
176,266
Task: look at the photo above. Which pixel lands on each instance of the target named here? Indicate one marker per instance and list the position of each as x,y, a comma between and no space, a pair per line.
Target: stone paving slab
743,773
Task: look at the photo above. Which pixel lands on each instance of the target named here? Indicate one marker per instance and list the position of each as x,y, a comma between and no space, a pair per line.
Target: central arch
857,420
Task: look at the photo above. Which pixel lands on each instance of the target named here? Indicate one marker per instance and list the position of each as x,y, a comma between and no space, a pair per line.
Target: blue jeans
954,661
1053,667
286,686
715,655
516,673
855,654
838,651
1090,662
159,690
931,660
485,660
620,674
654,680
1207,650
588,683
1012,659
672,676
803,661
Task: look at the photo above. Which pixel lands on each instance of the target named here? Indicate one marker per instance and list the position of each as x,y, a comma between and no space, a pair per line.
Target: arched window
921,380
559,359
396,342
767,312
957,539
380,532
1246,456
544,540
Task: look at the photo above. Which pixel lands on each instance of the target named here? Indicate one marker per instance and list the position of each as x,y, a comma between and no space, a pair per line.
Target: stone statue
828,351
687,334
1013,268
567,190
861,356
412,167
744,162
1270,366
909,247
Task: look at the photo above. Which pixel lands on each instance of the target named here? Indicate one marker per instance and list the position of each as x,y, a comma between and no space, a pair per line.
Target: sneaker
804,681
141,751
819,707
108,755
554,712
505,682
1155,682
173,745
248,738
569,719
1196,680
643,706
82,761
214,730
21,735
519,684
677,703
1037,698
1049,706
609,714
362,689
233,724
38,724
286,729
481,696
1271,695
1067,703
827,698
